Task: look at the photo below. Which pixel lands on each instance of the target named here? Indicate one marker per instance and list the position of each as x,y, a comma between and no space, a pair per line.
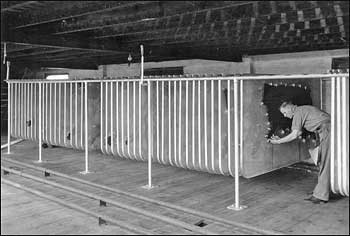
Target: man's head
287,109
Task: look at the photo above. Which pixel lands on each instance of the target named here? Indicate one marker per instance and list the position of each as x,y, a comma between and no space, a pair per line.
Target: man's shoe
315,200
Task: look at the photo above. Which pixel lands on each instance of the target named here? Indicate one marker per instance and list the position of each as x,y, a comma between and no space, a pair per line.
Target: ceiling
85,34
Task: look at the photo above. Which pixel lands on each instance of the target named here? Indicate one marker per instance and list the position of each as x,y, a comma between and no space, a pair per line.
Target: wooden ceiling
85,34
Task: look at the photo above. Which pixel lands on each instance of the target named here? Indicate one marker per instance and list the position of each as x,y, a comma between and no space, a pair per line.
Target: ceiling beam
39,53
84,14
17,6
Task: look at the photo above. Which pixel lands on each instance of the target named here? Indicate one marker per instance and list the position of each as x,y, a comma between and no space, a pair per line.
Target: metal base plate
85,172
148,187
39,162
233,207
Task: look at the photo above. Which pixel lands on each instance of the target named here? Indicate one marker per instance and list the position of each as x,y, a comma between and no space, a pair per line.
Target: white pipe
212,126
157,121
163,107
186,124
262,77
140,123
81,114
193,135
40,126
150,137
64,114
219,132
344,139
235,93
332,132
205,127
106,120
128,117
76,116
199,126
35,114
50,118
117,123
338,138
86,130
170,144
241,125
59,113
180,125
55,115
22,127
141,49
134,118
15,106
8,106
122,118
175,114
71,114
112,119
321,94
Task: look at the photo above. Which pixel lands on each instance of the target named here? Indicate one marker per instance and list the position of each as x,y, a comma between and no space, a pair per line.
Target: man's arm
290,137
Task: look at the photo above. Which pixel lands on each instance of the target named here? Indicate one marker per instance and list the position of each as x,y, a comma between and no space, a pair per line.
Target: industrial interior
156,117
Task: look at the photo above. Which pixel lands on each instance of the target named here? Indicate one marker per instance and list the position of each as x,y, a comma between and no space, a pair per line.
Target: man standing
313,120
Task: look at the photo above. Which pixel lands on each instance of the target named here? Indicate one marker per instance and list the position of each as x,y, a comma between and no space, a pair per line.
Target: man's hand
273,139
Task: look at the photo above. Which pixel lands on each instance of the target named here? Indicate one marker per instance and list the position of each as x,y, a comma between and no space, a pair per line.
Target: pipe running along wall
192,120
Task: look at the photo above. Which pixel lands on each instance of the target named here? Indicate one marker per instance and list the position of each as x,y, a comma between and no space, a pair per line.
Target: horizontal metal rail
150,200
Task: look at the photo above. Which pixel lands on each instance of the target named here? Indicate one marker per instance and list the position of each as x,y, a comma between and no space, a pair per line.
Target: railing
189,124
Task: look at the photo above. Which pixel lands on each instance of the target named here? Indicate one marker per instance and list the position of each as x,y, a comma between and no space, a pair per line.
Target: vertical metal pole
15,106
193,135
241,126
46,110
344,138
219,124
229,126
332,132
212,125
141,50
236,206
31,111
321,95
81,114
117,119
134,117
163,107
54,114
112,119
140,123
106,120
86,129
50,118
186,123
169,92
157,119
59,113
101,119
199,126
40,128
339,141
175,160
205,127
8,108
150,138
122,117
128,116
180,125
76,115
71,114
64,112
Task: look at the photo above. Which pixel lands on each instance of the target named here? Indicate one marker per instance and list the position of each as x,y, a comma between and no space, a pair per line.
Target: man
313,120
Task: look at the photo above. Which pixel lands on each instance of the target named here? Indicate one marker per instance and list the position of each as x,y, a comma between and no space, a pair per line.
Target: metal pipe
163,107
157,121
229,126
321,94
64,114
122,118
76,116
205,127
27,111
112,119
140,123
81,115
8,106
15,107
241,125
175,115
24,127
54,116
186,124
199,126
193,135
35,114
86,130
22,112
170,144
40,127
106,120
71,113
180,125
219,124
141,50
11,143
59,113
128,118
212,126
31,112
338,138
150,135
50,118
134,118
344,138
332,132
117,119
262,77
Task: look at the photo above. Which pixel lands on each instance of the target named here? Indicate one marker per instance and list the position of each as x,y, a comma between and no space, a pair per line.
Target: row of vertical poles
339,168
24,105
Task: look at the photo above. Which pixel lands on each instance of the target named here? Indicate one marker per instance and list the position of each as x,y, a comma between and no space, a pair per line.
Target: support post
86,132
141,48
40,129
150,139
8,107
236,205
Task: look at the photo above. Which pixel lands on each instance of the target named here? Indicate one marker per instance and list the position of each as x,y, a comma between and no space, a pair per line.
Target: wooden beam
84,14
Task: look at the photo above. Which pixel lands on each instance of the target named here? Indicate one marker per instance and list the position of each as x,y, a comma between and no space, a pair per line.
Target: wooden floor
275,200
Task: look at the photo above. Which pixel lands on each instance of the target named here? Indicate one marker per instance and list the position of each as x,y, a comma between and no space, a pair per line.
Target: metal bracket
101,221
233,207
46,174
103,203
148,187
